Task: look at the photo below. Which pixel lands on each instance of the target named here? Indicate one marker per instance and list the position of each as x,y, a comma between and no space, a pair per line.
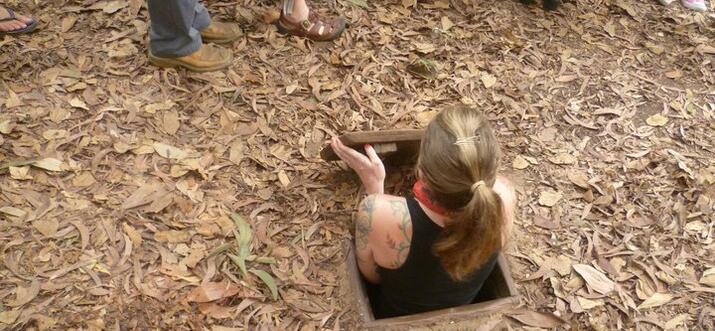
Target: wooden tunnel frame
405,140
499,286
499,291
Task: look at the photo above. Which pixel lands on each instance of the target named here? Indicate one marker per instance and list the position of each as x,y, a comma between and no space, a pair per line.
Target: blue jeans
175,26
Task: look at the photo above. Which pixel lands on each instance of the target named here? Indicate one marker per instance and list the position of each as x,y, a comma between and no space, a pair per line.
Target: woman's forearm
375,187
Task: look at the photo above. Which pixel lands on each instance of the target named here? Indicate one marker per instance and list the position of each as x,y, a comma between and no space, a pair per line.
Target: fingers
372,155
356,155
337,144
344,156
345,153
333,144
353,158
338,148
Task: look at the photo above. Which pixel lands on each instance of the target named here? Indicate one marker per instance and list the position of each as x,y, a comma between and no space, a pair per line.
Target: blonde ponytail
458,160
473,234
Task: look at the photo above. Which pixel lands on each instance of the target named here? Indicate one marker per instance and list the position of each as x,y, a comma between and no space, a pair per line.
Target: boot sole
219,40
173,63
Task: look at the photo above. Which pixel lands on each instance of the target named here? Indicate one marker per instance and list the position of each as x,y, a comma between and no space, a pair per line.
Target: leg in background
298,19
11,22
175,38
175,27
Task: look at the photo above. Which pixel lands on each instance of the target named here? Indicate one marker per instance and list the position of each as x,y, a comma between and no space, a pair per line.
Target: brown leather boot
207,58
219,32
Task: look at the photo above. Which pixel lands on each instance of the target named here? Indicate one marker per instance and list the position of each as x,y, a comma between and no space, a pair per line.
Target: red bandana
424,195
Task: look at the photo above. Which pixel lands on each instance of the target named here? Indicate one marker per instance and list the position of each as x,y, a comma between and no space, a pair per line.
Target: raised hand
369,168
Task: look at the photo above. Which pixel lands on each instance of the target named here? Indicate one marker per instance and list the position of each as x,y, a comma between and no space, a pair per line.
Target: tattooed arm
363,232
383,232
399,235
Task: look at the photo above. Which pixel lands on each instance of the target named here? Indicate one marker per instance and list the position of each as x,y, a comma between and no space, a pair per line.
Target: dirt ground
119,181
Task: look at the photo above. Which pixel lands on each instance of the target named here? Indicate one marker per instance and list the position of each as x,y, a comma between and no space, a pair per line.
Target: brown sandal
9,15
314,28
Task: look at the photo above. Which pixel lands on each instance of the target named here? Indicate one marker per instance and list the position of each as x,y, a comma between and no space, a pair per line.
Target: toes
12,25
17,25
24,19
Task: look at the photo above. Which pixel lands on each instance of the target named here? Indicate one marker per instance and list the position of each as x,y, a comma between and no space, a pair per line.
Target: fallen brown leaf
50,164
520,163
47,227
708,277
172,236
595,279
657,299
216,311
538,319
171,122
546,223
24,294
549,198
657,120
212,291
563,158
9,316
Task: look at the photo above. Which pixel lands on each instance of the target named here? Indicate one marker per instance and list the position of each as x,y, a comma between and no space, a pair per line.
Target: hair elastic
467,140
477,185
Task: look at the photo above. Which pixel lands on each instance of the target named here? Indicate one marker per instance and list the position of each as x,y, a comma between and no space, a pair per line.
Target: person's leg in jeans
178,29
175,26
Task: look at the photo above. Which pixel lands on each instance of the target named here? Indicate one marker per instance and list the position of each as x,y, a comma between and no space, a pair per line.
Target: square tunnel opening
497,294
399,152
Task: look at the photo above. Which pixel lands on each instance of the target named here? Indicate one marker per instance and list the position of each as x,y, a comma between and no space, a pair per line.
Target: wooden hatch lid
384,142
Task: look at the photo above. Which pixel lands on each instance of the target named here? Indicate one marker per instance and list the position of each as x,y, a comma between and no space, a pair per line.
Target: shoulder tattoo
402,244
363,222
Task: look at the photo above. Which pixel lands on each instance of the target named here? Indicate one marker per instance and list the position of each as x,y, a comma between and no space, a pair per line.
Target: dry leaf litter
139,198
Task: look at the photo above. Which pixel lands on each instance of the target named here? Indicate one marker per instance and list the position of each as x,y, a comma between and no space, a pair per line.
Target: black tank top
421,283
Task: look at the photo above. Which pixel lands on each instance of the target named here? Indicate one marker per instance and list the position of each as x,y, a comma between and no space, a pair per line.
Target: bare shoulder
505,190
385,209
381,210
391,229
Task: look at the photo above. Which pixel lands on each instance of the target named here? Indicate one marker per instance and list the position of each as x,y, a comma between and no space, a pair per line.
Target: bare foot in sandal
298,20
11,23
